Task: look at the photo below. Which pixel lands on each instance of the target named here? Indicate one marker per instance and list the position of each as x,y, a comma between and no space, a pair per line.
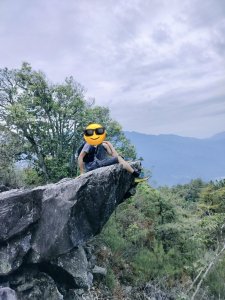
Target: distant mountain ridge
174,159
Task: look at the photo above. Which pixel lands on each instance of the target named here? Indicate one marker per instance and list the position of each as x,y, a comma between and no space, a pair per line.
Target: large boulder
47,226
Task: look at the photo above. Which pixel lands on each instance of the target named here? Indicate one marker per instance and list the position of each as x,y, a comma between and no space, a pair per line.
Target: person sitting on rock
97,152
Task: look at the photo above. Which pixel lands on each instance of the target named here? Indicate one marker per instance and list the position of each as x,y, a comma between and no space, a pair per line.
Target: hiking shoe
140,179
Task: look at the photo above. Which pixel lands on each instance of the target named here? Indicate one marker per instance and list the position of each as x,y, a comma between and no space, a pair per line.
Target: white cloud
160,63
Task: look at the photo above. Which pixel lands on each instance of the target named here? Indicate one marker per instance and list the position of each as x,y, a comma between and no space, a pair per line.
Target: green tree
50,118
10,147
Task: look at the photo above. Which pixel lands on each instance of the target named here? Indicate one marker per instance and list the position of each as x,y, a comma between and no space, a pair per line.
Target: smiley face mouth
95,138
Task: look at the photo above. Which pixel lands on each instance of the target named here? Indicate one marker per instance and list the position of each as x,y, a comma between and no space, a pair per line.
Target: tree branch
207,271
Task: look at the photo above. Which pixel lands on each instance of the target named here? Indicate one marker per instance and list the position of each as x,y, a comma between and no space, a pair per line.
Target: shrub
110,279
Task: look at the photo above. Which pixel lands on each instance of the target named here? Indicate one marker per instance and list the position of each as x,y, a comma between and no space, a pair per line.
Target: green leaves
51,118
161,236
10,149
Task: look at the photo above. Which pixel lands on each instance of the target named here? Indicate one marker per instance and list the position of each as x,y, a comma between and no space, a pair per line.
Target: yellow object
139,180
94,134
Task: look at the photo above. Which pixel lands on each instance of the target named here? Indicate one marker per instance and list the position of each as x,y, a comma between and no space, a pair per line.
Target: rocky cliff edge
43,232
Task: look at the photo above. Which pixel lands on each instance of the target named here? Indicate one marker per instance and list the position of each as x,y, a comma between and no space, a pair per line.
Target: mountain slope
175,160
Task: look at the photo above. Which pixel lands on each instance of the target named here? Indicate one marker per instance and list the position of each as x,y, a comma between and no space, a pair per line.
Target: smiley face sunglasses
98,131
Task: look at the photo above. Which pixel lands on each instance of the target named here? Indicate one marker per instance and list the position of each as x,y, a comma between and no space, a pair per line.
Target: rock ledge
43,232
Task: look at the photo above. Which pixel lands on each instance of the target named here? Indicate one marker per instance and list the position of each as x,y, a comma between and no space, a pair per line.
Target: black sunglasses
98,131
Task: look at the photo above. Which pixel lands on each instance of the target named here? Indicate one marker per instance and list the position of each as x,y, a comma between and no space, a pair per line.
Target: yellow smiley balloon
94,134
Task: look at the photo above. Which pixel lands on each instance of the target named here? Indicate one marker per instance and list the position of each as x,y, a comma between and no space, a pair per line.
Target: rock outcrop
44,230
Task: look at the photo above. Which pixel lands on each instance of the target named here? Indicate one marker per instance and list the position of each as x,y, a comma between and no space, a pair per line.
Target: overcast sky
159,65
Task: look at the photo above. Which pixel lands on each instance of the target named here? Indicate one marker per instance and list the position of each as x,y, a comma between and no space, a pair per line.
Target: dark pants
101,159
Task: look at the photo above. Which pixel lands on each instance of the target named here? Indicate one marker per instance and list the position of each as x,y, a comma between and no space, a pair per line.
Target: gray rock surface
12,254
43,230
99,270
7,294
75,263
36,286
76,210
18,210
